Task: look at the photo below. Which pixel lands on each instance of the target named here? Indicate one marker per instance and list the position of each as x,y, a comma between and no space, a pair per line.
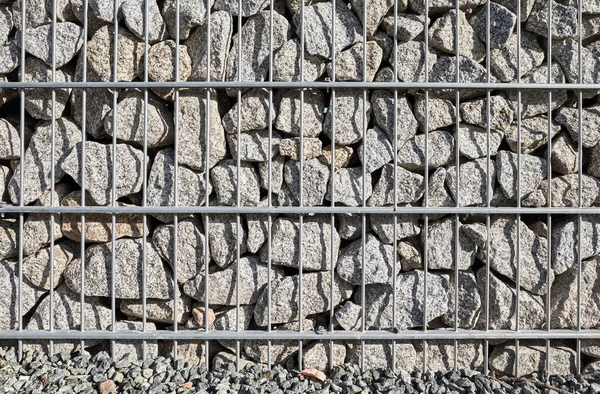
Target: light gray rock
378,151
340,155
221,29
317,246
383,226
380,354
313,113
277,163
195,116
529,175
254,145
99,163
565,190
378,262
473,141
440,113
9,291
38,42
441,355
37,267
290,147
532,359
410,257
411,61
565,158
475,113
134,350
316,297
375,12
317,355
590,347
503,305
349,225
441,245
407,28
222,285
402,123
39,13
440,151
504,60
534,199
470,71
502,24
135,20
190,249
349,316
5,174
38,102
349,187
258,228
225,182
160,311
512,5
162,66
533,131
192,13
10,141
442,36
37,164
565,241
222,235
9,57
410,294
469,302
594,165
315,177
475,184
349,64
100,12
349,106
286,64
566,54
159,130
255,110
409,186
440,6
563,24
590,122
228,321
225,358
280,351
249,8
128,271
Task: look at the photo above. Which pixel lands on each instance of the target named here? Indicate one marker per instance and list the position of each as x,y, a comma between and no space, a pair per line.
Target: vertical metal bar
457,159
364,176
426,180
145,181
21,176
270,186
176,180
301,180
518,246
395,147
580,178
114,175
207,180
238,198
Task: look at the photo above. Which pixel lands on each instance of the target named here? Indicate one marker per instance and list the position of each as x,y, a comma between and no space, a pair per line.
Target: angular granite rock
378,262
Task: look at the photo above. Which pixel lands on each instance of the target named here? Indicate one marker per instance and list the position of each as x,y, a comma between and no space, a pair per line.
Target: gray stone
386,44
512,5
225,182
409,186
469,302
349,106
441,355
407,27
313,113
255,110
134,18
162,66
254,146
222,359
475,113
317,355
402,123
590,347
38,102
290,147
258,228
280,351
410,257
532,359
9,291
378,262
470,71
160,311
37,267
383,226
349,187
375,12
440,113
159,130
594,164
249,8
503,305
441,245
386,74
590,123
10,141
473,141
349,316
222,288
566,54
527,175
222,231
100,12
221,29
341,155
563,24
315,177
254,60
502,24
277,163
565,241
349,63
440,151
228,321
5,175
534,103
504,60
192,13
476,185
565,190
316,297
99,162
442,36
286,64
410,298
9,57
411,61
128,271
350,226
134,350
440,6
190,249
191,186
317,246
39,13
38,42
380,355
7,23
194,352
195,116
534,199
317,28
534,134
565,158
37,164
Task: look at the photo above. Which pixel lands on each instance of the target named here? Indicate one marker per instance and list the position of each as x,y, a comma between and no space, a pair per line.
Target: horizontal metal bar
306,85
295,335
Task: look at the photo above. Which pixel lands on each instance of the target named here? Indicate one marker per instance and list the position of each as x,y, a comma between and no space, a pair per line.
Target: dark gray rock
512,5
192,13
221,29
349,106
440,151
503,60
313,112
502,24
528,174
383,226
222,234
38,42
475,184
469,302
409,186
401,124
315,176
473,141
378,261
441,245
563,24
442,36
349,187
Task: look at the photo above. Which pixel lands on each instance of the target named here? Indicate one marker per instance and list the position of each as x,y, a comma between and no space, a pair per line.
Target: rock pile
314,147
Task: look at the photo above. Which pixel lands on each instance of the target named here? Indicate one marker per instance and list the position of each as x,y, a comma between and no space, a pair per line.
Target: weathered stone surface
410,298
190,249
411,61
441,354
442,36
258,228
38,102
39,13
594,165
410,187
375,12
225,182
286,64
313,113
469,302
470,71
383,226
249,8
473,141
504,60
532,359
159,130
534,134
162,66
409,256
37,163
349,63
315,176
99,165
316,293
563,24
222,236
409,26
341,155
37,267
440,6
527,173
254,145
349,316
502,24
276,173
349,106
38,42
5,174
475,113
317,355
378,152
534,199
349,187
135,18
134,350
565,158
228,321
221,29
403,122
565,190
9,292
440,113
440,151
100,12
317,245
566,249
280,351
222,284
512,5
380,354
192,13
10,141
195,116
566,54
128,271
290,147
441,245
350,225
378,262
590,123
256,114
476,185
160,311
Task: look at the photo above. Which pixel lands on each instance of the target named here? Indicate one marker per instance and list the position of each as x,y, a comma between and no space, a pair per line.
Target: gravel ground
85,373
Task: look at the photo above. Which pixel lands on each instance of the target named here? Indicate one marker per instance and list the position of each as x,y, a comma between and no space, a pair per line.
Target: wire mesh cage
393,184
